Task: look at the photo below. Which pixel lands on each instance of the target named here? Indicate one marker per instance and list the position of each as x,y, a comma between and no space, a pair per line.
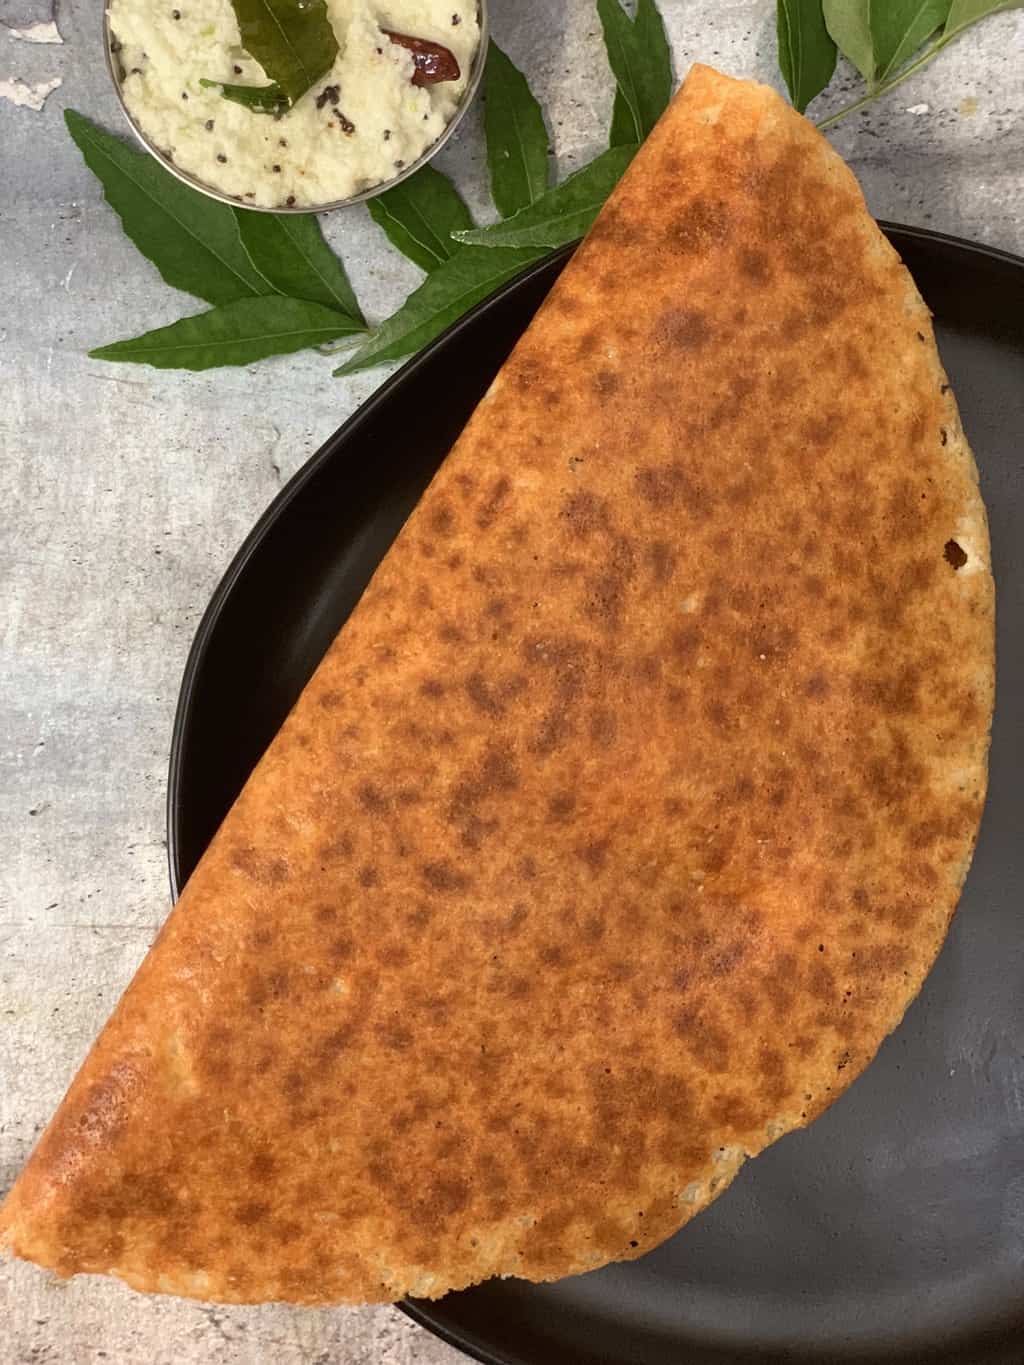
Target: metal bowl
472,85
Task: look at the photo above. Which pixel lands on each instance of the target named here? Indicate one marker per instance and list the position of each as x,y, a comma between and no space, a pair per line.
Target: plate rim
420,1311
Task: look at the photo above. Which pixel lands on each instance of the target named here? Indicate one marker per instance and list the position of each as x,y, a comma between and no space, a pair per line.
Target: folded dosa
627,812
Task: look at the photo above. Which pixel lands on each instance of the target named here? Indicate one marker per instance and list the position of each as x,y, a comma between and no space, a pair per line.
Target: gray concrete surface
125,492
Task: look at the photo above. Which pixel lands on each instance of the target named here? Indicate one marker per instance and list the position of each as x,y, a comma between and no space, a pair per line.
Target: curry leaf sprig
887,41
225,255
275,284
276,287
958,17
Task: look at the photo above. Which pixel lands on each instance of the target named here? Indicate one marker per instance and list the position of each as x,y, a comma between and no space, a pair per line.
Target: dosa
626,814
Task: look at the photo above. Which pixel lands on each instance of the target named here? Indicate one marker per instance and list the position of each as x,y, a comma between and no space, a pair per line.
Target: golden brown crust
626,814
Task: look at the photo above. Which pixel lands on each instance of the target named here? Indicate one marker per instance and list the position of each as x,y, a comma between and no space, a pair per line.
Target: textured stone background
126,490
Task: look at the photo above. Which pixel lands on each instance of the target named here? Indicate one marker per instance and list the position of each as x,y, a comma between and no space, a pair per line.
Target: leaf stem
872,95
348,343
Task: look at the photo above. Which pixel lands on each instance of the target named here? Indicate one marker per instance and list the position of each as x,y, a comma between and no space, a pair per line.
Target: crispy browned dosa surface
627,812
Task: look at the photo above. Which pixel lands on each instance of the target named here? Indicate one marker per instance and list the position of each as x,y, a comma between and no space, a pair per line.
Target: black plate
893,1229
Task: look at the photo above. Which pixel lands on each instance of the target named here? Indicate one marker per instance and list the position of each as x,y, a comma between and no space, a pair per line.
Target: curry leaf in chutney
292,40
261,99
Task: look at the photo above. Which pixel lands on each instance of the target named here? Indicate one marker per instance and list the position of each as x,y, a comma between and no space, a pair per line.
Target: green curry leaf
807,53
191,239
849,23
292,40
289,251
233,334
517,140
419,216
641,62
261,99
899,27
448,292
564,213
964,13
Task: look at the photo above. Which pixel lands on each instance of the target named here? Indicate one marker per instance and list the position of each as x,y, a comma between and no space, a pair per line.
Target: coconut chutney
358,126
